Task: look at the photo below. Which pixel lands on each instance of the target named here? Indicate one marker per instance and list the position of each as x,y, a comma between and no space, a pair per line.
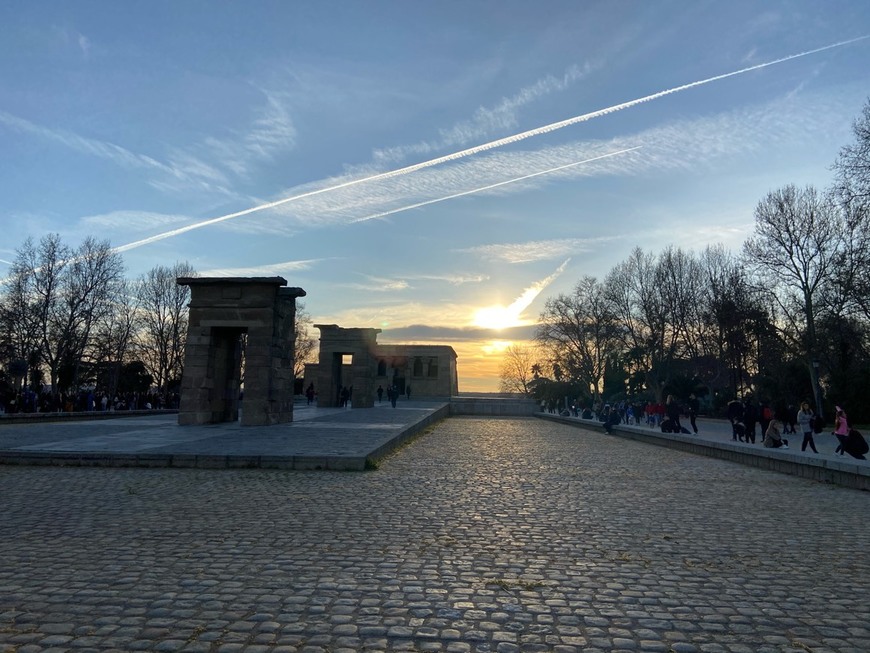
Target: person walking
672,411
735,416
380,394
841,430
804,421
750,419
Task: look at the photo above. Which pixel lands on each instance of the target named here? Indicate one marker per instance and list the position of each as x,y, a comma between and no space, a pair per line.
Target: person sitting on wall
773,436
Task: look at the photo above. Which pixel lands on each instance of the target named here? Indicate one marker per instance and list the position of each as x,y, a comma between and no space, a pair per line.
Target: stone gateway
239,327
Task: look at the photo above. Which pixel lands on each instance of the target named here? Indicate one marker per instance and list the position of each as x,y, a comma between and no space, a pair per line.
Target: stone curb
836,472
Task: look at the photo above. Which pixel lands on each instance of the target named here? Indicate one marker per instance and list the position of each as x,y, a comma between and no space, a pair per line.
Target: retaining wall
838,472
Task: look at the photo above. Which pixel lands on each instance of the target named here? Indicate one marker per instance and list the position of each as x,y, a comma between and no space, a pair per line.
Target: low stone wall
493,406
79,416
837,472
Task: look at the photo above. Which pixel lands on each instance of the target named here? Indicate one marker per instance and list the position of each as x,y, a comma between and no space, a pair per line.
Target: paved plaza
480,535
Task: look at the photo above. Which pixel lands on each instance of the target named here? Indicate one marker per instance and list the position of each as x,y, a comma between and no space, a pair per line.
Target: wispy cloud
486,120
452,279
535,250
85,45
131,221
332,202
208,166
394,312
271,132
272,269
92,147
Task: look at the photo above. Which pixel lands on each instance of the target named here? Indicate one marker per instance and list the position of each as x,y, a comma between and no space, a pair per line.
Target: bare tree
19,329
637,290
164,314
305,350
581,331
68,292
794,251
114,337
853,163
517,369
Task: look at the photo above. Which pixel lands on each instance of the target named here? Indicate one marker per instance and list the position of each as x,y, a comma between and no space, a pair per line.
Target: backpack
767,413
818,424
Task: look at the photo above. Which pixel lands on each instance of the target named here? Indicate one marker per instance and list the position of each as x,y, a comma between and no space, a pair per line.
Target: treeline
70,320
72,326
786,318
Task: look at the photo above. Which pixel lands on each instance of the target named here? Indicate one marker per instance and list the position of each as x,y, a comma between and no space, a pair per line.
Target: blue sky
135,121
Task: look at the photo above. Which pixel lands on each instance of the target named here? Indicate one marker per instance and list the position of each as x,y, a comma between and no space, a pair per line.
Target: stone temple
353,358
244,328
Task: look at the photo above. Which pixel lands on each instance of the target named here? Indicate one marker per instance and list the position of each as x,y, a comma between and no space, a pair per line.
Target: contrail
482,148
500,317
496,185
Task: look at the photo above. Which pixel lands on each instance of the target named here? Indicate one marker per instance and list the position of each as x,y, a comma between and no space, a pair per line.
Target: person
344,396
610,417
750,419
408,391
789,423
309,393
765,417
735,416
380,393
672,412
841,430
773,436
393,393
805,417
694,407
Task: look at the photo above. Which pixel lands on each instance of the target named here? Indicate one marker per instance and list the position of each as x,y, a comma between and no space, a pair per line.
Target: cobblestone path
481,535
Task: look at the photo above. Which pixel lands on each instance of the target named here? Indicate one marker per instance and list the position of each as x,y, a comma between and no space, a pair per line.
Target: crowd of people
86,400
750,422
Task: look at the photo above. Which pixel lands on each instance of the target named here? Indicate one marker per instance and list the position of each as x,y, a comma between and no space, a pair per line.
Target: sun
496,317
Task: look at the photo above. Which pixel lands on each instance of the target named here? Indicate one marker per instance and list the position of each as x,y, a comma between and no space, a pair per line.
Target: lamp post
817,390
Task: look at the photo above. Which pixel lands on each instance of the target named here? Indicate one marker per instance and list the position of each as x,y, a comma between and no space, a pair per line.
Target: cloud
501,317
428,333
534,250
92,147
272,132
486,121
272,269
84,45
131,221
683,146
208,166
378,284
452,279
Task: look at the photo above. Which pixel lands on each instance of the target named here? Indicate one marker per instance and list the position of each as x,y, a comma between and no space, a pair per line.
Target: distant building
352,358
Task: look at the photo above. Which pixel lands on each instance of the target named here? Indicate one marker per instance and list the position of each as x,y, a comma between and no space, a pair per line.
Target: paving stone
482,535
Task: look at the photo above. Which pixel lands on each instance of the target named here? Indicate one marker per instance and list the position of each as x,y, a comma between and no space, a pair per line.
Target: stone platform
319,438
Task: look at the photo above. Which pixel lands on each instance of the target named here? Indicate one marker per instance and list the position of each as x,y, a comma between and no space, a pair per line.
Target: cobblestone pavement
481,535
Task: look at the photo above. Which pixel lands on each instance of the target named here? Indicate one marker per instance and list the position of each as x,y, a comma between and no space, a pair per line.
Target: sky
436,170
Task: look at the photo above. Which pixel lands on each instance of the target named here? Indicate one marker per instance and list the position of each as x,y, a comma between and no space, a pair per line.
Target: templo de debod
352,358
236,321
244,328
